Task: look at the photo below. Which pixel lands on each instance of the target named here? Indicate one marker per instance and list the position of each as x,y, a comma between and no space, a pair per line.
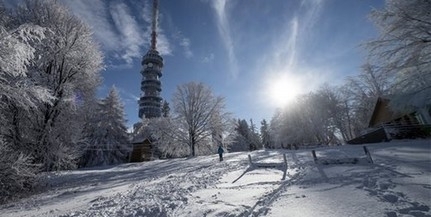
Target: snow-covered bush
17,173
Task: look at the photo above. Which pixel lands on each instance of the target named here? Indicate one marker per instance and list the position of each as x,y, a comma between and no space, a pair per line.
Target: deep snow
397,184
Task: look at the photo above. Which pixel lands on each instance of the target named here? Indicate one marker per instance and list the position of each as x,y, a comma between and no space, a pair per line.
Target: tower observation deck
150,102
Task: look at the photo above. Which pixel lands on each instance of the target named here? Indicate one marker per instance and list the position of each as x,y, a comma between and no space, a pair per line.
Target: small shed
142,150
383,114
386,124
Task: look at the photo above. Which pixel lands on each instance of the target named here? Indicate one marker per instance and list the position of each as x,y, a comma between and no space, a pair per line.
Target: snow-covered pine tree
241,141
165,109
265,135
106,139
254,138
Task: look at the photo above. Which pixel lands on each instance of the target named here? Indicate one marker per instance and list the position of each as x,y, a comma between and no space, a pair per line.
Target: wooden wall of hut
141,151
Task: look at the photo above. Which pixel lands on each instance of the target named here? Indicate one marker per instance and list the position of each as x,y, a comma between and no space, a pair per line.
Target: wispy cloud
130,34
128,97
183,41
286,60
289,50
298,29
209,58
224,31
96,16
163,45
122,34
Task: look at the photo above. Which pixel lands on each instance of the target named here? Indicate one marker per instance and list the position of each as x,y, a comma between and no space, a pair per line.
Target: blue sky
255,53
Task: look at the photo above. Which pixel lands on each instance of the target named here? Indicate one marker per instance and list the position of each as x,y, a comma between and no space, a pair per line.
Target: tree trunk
192,141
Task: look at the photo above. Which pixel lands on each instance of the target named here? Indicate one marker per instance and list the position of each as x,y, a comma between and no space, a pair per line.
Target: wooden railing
386,132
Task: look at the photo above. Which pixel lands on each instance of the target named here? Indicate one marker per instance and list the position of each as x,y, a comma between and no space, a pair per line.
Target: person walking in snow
220,152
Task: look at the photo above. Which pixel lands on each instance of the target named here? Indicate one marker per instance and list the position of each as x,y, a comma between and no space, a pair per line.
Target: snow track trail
262,206
162,196
397,184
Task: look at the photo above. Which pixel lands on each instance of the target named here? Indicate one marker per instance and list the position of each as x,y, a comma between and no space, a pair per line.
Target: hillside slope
397,184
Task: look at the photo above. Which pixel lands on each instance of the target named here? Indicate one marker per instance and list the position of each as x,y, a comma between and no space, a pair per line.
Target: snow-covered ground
397,184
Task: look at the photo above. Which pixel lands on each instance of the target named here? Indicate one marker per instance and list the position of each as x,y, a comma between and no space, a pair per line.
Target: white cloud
287,49
122,34
96,16
299,30
163,45
185,43
209,58
224,31
131,35
128,97
285,60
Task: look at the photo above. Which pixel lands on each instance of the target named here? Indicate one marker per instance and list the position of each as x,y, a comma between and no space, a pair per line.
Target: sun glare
283,91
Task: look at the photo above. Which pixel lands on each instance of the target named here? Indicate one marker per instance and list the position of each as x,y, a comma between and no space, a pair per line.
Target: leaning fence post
285,159
249,159
314,156
370,160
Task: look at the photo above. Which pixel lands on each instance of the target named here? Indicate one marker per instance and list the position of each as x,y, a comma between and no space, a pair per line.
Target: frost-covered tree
169,137
403,50
254,138
67,65
359,96
165,109
18,97
242,132
245,138
106,141
265,134
17,173
312,119
199,112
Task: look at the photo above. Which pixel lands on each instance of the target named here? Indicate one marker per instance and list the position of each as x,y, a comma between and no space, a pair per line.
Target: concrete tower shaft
150,102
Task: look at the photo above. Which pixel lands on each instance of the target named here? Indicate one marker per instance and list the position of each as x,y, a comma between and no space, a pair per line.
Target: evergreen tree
264,134
241,141
107,139
165,109
254,138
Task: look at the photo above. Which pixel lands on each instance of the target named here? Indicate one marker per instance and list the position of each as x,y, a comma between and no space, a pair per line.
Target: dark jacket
220,150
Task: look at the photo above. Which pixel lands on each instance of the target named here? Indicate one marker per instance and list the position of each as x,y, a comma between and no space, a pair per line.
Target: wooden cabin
386,124
384,115
142,150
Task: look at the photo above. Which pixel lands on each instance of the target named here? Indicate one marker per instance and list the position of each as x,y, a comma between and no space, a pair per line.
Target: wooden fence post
249,159
314,156
370,160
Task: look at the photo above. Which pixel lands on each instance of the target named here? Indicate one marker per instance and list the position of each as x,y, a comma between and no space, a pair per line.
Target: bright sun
283,91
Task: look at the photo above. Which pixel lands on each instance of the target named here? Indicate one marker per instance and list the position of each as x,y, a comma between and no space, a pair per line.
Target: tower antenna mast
152,65
154,24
